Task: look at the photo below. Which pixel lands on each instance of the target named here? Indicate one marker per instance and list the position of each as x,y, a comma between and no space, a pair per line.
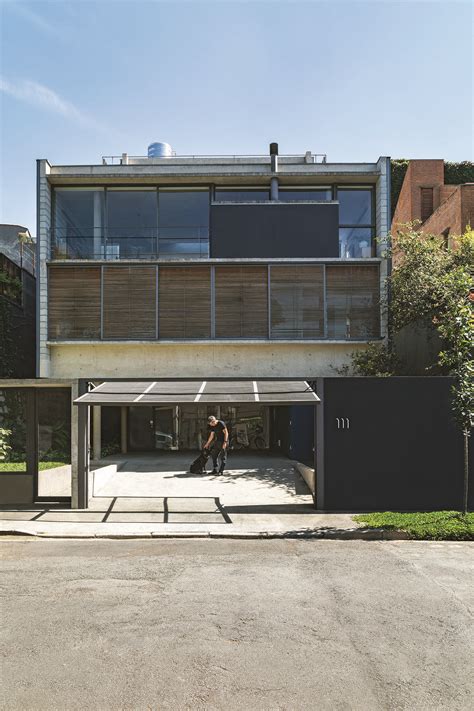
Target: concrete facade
185,359
200,360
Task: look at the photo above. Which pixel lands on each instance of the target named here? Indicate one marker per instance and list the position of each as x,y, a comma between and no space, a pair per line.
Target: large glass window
356,222
355,242
54,442
242,194
131,223
78,223
183,221
304,194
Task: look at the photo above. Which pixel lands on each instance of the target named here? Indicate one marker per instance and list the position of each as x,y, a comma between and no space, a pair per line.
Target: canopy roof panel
175,392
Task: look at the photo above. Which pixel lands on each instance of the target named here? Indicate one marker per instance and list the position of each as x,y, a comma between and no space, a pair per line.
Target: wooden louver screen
73,302
353,302
241,299
426,203
129,302
184,302
297,302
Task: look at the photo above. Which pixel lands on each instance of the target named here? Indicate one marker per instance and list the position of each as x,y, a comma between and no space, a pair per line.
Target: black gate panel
391,444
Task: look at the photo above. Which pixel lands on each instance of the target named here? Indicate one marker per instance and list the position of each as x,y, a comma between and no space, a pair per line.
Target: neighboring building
444,210
17,303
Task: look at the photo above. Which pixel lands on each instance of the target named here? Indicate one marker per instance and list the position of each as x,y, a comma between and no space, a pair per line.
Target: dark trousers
218,454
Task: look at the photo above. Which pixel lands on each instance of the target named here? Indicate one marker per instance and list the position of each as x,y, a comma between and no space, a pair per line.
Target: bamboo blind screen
129,295
74,302
241,298
353,304
297,302
185,302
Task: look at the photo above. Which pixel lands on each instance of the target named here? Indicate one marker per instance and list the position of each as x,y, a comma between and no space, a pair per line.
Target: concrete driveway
255,479
210,625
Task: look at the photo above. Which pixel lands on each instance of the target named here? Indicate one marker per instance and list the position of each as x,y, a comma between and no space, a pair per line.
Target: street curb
355,534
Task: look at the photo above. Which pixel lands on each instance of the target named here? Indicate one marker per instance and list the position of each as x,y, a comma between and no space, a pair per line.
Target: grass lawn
434,525
21,466
12,466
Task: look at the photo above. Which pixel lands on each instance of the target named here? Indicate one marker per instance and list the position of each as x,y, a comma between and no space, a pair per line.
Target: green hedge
454,174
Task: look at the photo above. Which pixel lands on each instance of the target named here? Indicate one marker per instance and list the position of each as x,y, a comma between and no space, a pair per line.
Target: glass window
355,207
12,430
78,223
299,195
355,242
132,223
244,195
54,442
183,220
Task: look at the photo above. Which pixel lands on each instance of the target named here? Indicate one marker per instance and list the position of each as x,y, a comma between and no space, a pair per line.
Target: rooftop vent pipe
274,157
274,169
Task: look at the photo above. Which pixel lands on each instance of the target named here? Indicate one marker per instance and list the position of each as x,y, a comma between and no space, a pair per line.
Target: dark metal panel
319,446
32,438
282,230
391,444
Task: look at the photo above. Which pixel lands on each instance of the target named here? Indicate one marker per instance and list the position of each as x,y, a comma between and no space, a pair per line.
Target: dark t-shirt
218,430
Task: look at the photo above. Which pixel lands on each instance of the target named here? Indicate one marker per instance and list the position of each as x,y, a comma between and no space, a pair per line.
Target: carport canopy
176,392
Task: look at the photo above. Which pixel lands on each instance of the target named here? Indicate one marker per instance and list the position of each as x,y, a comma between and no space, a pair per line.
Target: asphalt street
229,624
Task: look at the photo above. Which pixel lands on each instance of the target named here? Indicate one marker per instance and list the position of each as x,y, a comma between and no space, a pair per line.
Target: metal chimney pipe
274,169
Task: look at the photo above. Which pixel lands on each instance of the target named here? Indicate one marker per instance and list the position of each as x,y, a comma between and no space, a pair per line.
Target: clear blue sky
351,79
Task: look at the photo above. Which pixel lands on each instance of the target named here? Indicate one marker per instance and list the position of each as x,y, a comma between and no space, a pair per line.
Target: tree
433,285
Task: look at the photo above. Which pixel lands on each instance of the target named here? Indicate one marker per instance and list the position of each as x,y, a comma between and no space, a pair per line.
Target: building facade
187,266
250,268
443,210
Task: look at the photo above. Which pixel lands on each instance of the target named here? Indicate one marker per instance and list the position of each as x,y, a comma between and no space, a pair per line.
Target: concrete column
274,189
123,430
96,432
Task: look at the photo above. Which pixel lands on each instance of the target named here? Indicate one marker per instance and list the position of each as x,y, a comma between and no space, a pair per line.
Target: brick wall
420,174
454,214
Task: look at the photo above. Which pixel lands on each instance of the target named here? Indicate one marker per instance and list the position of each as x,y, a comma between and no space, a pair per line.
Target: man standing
217,442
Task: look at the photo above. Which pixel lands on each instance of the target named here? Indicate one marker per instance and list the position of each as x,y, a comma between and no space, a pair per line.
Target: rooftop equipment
159,150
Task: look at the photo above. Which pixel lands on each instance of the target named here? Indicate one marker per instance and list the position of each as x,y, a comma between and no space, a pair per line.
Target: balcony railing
147,243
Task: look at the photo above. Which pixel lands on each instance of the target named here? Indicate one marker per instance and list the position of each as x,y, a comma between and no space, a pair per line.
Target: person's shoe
214,471
220,473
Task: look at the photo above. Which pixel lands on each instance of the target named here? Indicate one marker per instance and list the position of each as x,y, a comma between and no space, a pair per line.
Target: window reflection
355,242
300,195
355,207
131,223
78,223
183,221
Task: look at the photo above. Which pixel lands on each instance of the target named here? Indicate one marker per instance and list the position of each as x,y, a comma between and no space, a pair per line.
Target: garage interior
151,431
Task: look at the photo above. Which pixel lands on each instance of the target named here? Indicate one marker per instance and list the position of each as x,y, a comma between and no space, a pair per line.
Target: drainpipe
274,169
